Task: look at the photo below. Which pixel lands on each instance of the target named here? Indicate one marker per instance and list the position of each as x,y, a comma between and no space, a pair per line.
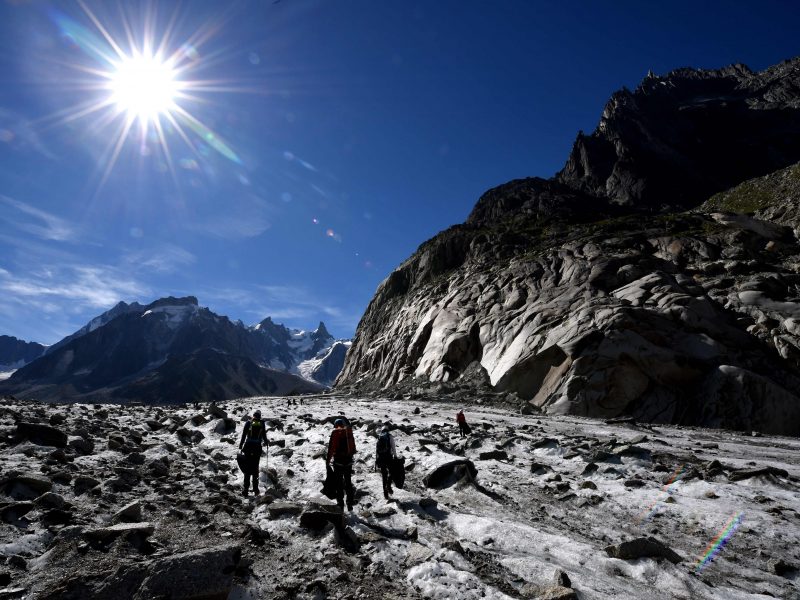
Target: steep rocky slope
112,501
585,294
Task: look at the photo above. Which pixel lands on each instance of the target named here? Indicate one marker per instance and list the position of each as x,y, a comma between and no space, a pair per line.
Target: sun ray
120,141
102,29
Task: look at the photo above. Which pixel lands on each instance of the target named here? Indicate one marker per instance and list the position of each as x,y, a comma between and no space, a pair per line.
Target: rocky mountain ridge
590,294
173,350
15,353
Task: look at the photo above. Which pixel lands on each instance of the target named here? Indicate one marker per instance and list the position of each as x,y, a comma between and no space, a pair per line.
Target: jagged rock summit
592,294
173,350
15,353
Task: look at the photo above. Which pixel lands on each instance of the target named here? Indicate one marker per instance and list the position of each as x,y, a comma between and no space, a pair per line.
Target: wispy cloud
36,221
82,286
241,217
231,227
18,132
166,258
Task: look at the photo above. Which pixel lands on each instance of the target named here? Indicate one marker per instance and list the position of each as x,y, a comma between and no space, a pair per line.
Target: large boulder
648,547
43,435
25,486
450,474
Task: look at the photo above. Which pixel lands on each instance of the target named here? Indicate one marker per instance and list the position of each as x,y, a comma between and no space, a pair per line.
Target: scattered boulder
279,509
25,486
780,567
648,547
81,445
560,578
205,574
450,473
748,473
105,534
43,435
15,510
84,483
317,515
493,455
50,500
130,513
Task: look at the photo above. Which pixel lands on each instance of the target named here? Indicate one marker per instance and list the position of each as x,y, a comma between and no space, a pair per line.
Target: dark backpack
384,448
254,435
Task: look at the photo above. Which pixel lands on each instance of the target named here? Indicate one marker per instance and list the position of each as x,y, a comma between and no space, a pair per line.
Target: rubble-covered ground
107,501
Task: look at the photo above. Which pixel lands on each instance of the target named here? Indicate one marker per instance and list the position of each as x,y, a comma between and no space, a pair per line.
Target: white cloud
166,258
83,286
43,224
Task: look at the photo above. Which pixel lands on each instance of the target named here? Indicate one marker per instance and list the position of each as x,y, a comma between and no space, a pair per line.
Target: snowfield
551,493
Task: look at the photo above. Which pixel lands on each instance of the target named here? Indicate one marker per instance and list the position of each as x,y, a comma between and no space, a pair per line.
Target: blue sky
328,140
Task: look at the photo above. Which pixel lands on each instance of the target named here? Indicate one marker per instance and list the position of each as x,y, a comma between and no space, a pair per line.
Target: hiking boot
256,492
349,507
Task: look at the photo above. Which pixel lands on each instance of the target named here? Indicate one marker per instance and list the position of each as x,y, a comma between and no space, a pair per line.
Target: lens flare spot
189,164
315,221
190,52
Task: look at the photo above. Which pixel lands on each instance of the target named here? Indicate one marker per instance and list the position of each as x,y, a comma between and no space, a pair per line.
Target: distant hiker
254,437
463,428
341,449
385,453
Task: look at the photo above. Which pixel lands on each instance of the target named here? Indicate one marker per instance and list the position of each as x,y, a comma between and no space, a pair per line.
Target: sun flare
144,87
146,80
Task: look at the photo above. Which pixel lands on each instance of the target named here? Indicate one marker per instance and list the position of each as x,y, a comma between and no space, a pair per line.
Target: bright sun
144,87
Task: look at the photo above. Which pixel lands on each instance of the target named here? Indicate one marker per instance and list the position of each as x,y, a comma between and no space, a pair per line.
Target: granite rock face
586,295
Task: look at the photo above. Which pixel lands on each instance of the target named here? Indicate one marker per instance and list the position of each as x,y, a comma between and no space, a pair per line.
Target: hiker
385,453
341,449
463,428
254,437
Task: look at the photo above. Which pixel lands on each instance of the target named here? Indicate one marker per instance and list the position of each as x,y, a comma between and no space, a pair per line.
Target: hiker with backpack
254,437
463,427
385,453
341,448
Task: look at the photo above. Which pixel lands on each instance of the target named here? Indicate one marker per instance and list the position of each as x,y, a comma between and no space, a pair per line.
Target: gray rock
81,445
560,578
780,567
748,473
317,516
130,513
25,486
113,531
493,455
205,574
643,548
450,473
279,509
50,500
84,483
44,435
13,511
